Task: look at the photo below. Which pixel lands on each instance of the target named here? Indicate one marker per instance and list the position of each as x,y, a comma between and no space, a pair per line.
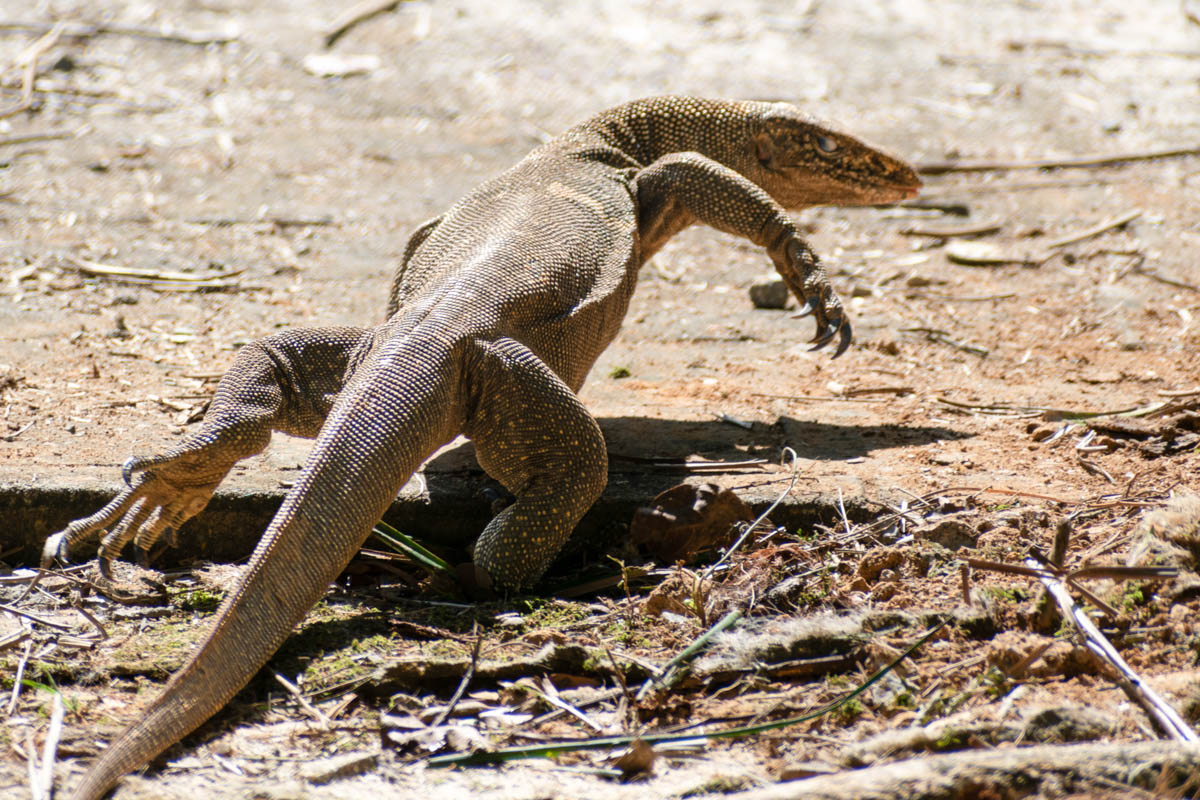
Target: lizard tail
347,484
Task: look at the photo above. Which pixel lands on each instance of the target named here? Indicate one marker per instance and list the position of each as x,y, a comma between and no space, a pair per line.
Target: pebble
769,292
325,770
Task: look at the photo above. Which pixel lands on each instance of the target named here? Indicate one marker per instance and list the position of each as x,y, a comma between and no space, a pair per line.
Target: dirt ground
204,144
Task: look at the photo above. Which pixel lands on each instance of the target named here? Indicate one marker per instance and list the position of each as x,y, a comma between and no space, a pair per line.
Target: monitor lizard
497,311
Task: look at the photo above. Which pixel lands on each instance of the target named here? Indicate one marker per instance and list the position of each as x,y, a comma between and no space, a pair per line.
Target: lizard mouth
901,190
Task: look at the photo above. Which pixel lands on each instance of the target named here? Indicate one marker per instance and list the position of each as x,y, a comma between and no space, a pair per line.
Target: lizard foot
806,279
155,503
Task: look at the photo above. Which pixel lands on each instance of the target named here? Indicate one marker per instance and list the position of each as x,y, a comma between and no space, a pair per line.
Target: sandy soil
295,192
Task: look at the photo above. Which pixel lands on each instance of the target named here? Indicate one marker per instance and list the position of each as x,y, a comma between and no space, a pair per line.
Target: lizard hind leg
533,435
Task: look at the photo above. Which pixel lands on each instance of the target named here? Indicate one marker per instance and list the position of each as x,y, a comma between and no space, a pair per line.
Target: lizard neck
645,130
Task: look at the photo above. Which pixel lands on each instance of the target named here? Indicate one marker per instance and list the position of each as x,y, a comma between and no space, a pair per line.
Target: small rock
324,770
769,292
878,560
1068,724
883,592
950,533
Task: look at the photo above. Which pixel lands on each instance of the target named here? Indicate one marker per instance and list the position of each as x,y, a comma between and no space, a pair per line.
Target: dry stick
1191,16
20,678
937,335
29,58
462,685
787,452
359,12
949,231
295,692
35,779
88,31
1154,276
945,167
1159,709
40,620
1095,230
50,746
550,694
553,748
37,577
1179,393
108,270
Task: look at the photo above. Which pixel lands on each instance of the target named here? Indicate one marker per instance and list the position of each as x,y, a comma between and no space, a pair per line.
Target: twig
858,391
964,298
87,31
35,778
1050,412
1008,187
927,204
1162,712
19,680
697,465
28,59
109,271
26,138
554,748
1093,468
787,452
1154,276
359,12
50,746
814,398
294,690
92,619
12,437
35,618
1179,393
1095,230
945,167
550,694
936,335
948,232
468,675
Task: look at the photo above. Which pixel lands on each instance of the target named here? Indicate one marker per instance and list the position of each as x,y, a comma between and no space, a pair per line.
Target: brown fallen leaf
637,760
685,520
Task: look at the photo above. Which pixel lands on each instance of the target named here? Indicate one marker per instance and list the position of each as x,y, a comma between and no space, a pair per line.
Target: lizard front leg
285,382
681,189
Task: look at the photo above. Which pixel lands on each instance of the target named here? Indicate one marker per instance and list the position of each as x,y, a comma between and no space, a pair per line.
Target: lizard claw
844,341
804,276
825,336
127,470
840,328
809,307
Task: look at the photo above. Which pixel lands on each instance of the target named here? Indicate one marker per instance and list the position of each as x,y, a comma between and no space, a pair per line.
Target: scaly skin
496,314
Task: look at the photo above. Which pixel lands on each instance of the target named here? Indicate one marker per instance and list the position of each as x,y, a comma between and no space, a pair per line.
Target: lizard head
802,162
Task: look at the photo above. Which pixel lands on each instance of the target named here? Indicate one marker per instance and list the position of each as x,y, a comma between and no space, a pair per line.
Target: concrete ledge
450,512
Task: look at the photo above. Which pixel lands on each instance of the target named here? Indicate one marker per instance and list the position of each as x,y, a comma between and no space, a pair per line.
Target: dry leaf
685,520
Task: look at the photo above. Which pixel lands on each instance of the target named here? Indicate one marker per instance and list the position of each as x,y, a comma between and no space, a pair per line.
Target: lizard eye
826,145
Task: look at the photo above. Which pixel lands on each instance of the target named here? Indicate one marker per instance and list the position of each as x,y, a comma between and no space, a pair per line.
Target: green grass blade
406,545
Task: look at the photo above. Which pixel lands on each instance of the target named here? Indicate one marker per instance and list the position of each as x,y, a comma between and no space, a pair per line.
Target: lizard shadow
645,458
635,445
633,441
